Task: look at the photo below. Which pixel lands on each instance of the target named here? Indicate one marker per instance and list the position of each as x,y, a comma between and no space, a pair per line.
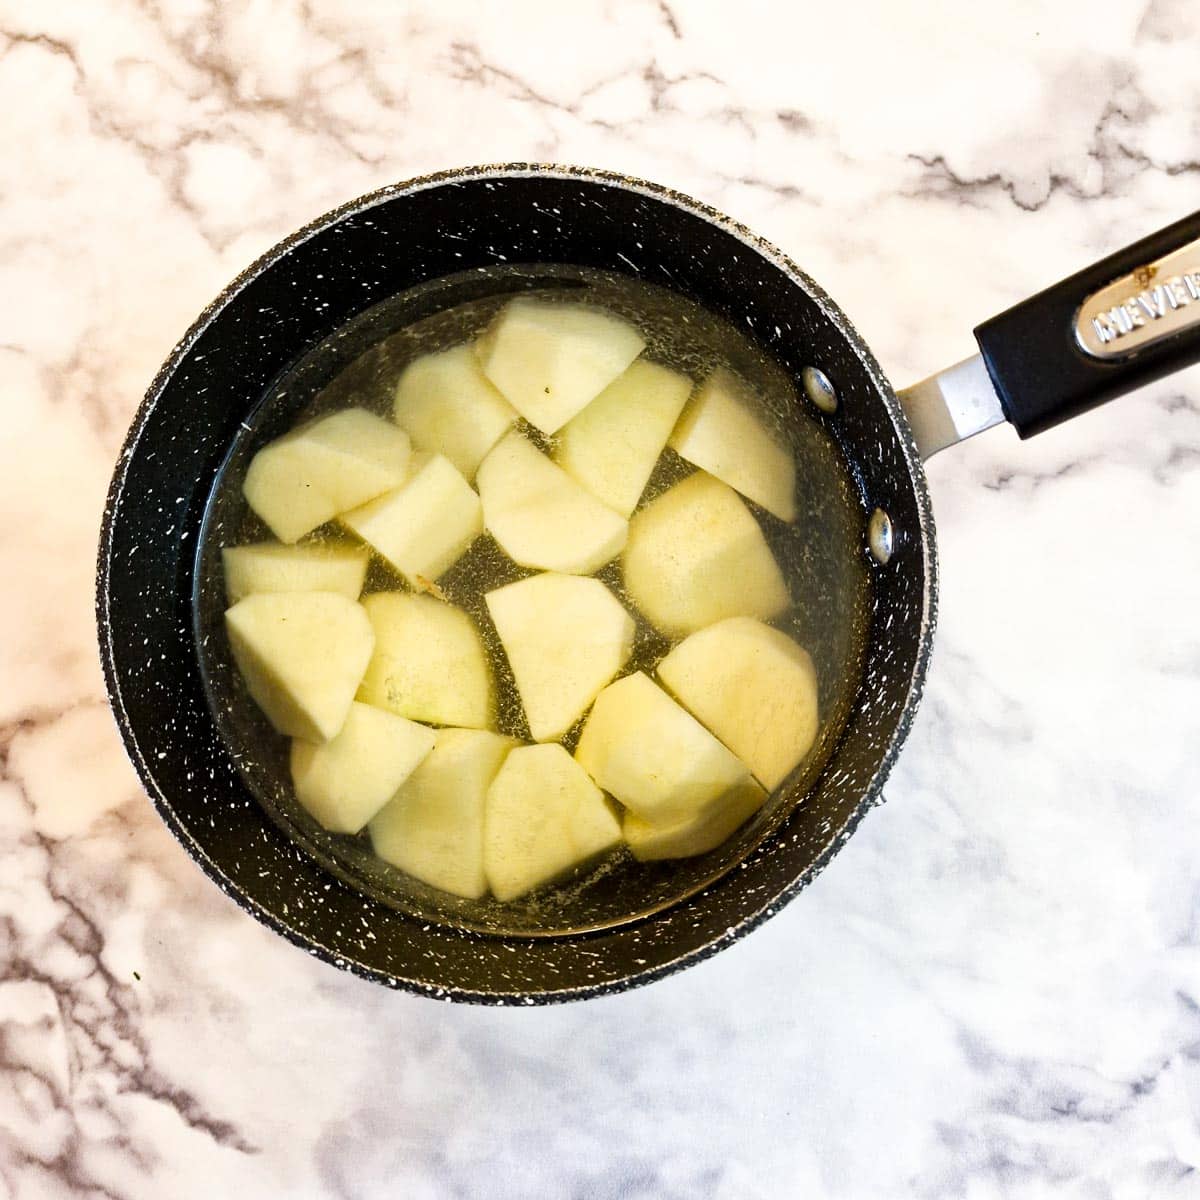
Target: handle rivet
881,538
819,390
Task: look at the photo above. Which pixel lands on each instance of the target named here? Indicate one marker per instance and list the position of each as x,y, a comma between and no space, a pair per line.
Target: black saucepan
1118,324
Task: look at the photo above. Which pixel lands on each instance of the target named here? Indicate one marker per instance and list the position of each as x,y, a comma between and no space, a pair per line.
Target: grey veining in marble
994,991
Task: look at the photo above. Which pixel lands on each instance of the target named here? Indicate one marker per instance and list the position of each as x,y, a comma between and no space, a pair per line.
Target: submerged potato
696,555
347,780
268,567
433,826
309,476
448,406
545,818
549,359
689,836
302,655
565,637
429,662
540,516
723,434
753,687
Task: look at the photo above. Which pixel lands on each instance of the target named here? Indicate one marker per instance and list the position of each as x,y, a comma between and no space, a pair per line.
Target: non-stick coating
290,300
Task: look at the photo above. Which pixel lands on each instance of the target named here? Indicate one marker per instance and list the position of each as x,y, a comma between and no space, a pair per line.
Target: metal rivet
881,539
819,390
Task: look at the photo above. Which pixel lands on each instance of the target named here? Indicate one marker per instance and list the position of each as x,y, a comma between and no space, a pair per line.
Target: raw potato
346,781
551,359
308,476
661,763
302,655
753,687
545,817
565,638
692,835
268,567
448,406
722,434
433,826
611,447
429,662
540,516
426,525
696,555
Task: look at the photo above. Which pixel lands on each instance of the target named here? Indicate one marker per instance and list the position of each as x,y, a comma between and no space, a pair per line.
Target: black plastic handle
1039,365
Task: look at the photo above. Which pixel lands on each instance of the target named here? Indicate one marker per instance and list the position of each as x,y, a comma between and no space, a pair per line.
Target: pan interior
821,554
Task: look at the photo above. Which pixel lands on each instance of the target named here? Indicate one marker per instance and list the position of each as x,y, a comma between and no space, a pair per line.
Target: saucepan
1117,324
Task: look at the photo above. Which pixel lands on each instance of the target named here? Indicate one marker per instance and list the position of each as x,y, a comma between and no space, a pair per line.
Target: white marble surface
994,991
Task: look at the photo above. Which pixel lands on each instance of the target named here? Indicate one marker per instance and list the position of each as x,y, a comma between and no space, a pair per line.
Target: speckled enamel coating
297,294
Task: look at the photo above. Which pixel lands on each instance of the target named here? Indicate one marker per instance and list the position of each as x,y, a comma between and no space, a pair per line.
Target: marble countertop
994,990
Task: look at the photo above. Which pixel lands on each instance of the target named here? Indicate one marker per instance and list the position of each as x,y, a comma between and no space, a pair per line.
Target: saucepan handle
1125,321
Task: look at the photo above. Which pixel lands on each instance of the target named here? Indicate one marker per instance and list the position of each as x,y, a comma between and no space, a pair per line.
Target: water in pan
821,555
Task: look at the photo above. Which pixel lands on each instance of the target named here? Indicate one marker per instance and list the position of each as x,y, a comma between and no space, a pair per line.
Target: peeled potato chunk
429,662
448,406
722,434
347,780
268,567
540,516
691,835
753,687
308,476
550,359
426,525
659,761
696,555
611,447
545,817
302,655
565,638
433,826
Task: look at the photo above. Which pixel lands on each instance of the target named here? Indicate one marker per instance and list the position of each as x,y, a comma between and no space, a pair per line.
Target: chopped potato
448,406
611,447
696,555
269,567
302,655
565,638
540,516
545,818
689,836
550,359
433,826
659,761
723,434
309,476
347,780
751,686
429,662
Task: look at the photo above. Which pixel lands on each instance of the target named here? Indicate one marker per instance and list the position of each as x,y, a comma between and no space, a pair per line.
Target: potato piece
429,662
433,827
540,516
723,434
565,638
308,476
448,406
751,686
696,555
692,835
267,567
661,763
426,525
549,359
302,655
545,818
611,447
346,781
